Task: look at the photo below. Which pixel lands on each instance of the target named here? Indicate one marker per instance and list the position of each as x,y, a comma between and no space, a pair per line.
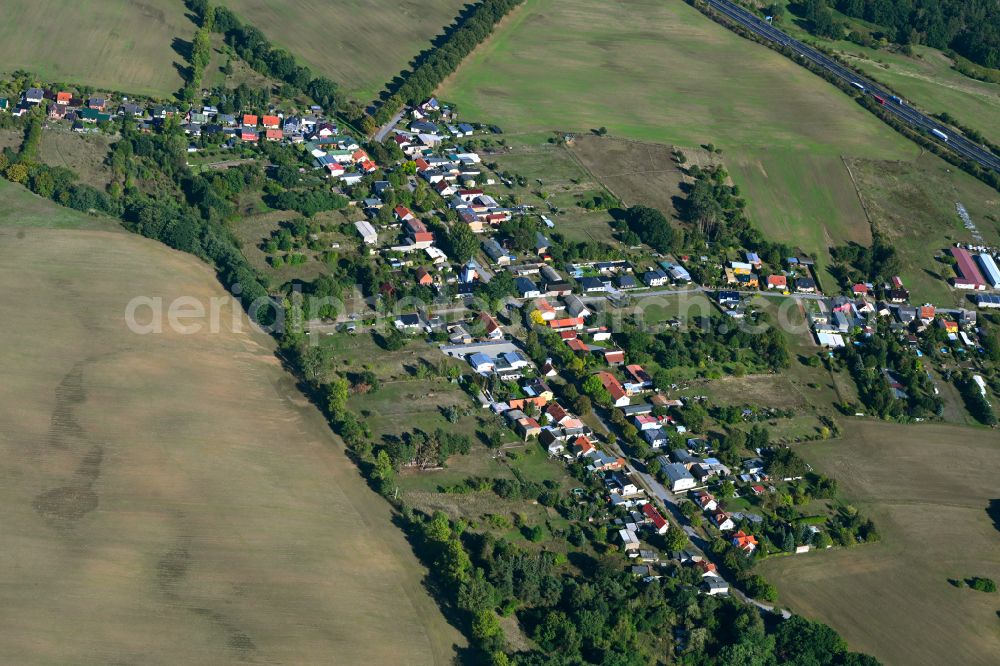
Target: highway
956,141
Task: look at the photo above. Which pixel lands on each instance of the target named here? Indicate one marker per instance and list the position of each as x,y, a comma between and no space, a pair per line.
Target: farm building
367,231
968,276
988,301
989,269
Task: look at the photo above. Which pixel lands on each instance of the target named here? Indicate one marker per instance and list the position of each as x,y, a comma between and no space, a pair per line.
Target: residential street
698,545
385,129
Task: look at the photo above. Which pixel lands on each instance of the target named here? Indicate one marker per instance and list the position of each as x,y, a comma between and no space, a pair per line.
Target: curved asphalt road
956,141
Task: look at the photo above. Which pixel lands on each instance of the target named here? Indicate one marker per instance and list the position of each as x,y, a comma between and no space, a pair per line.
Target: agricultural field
123,45
360,44
913,205
636,173
173,497
938,522
682,80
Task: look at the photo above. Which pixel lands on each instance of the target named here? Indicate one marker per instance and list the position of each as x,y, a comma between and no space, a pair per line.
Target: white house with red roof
619,397
660,524
403,213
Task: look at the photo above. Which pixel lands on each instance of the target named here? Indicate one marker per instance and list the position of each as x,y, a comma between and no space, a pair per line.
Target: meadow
173,498
679,79
929,489
124,45
360,44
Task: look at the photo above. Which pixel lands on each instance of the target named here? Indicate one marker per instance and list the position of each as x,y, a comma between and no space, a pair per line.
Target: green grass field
928,488
680,79
173,498
122,45
360,44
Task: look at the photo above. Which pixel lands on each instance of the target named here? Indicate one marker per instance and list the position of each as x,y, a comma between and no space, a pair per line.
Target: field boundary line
861,199
593,175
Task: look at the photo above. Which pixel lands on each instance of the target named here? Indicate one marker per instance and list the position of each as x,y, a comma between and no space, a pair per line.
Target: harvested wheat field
932,491
171,498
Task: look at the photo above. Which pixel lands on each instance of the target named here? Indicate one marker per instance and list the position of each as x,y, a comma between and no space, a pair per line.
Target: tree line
445,57
969,27
258,52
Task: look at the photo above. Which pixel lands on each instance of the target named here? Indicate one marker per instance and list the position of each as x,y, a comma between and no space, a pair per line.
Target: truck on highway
879,99
858,86
939,134
896,99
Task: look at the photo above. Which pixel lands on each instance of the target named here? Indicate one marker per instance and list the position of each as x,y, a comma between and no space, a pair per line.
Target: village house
723,521
491,326
777,282
747,543
619,397
526,288
424,278
679,478
655,278
705,500
638,379
660,524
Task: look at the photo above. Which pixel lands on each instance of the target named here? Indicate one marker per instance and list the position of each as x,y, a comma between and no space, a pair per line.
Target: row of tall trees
431,68
257,51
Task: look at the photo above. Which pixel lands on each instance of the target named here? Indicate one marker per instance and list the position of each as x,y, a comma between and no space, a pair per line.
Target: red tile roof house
335,168
417,231
403,213
618,395
64,98
271,122
274,134
577,345
249,120
723,521
520,403
248,135
660,523
424,278
705,567
860,289
745,542
571,322
556,413
583,446
705,500
491,325
614,357
777,282
528,427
